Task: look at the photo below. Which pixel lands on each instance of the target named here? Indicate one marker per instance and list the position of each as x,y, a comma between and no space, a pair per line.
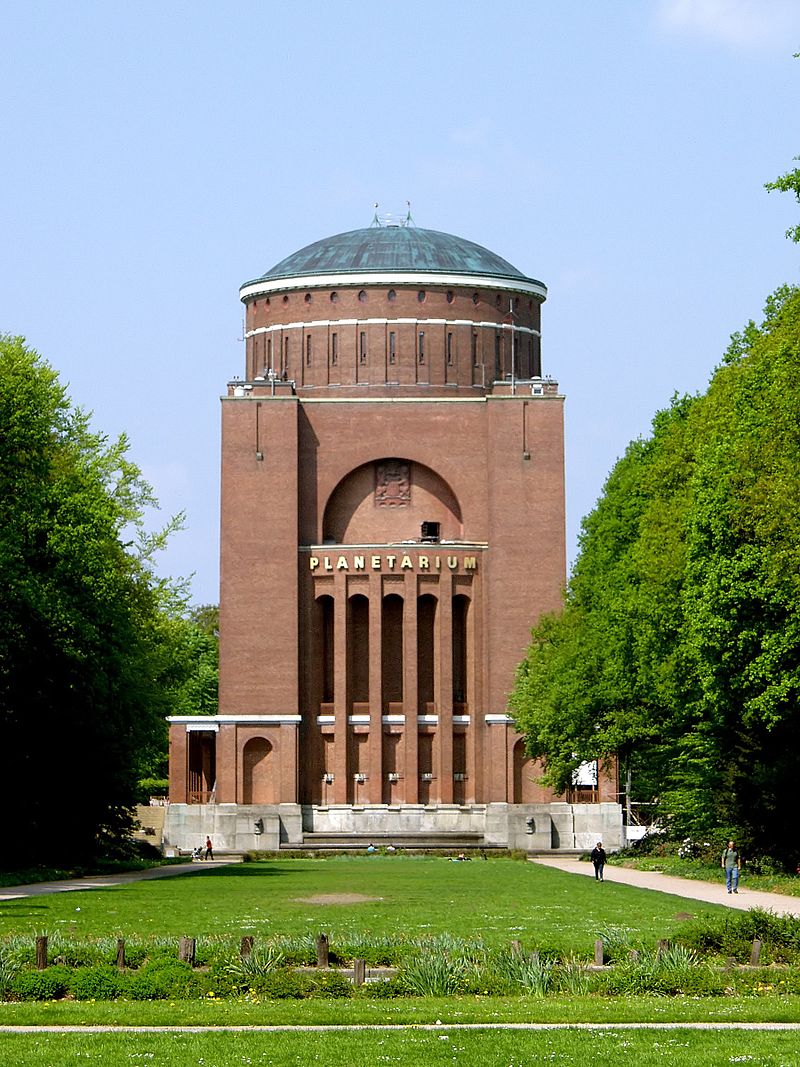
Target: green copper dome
404,249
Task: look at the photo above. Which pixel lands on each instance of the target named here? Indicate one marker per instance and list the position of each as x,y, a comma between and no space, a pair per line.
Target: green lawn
405,1011
408,897
489,1048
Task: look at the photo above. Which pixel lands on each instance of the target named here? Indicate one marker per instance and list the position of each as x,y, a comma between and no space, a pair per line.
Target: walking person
731,864
209,849
598,858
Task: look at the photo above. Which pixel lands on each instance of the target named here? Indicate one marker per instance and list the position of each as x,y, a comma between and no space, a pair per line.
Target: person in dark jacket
598,858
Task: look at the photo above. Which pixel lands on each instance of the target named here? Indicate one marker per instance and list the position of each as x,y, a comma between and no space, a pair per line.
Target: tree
86,629
679,643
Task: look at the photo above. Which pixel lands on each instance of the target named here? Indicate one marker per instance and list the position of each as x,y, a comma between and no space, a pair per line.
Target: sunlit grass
495,901
489,1048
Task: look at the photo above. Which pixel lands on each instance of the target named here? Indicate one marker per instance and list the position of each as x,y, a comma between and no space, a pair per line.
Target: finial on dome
375,220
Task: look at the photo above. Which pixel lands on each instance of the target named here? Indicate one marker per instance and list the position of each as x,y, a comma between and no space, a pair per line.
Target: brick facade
392,525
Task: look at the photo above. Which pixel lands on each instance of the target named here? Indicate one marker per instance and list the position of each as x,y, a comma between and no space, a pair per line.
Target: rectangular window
308,350
474,349
498,341
392,347
421,350
362,347
449,350
286,354
334,349
269,352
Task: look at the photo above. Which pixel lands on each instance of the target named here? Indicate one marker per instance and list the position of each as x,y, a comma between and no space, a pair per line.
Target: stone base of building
232,827
268,827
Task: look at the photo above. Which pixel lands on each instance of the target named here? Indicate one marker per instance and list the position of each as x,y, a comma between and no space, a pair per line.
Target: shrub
50,984
164,980
733,935
283,985
331,985
101,982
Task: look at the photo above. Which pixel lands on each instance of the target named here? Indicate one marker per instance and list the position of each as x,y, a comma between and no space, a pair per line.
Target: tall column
178,764
375,740
444,689
476,726
340,687
410,730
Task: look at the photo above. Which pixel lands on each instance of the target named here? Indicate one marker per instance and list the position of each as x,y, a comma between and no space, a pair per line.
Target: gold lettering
452,562
390,560
326,563
313,562
341,564
470,563
405,563
376,563
438,563
358,563
423,563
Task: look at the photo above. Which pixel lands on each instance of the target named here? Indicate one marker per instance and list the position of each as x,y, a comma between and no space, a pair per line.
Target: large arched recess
386,501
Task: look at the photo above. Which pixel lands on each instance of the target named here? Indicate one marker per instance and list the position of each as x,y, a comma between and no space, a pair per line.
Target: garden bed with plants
742,953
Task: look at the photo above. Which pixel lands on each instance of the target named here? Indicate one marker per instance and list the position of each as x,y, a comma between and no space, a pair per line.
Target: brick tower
392,525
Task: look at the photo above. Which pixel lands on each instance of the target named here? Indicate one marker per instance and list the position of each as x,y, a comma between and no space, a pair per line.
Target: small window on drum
307,298
392,347
334,297
362,296
286,300
450,297
421,348
476,298
392,295
421,296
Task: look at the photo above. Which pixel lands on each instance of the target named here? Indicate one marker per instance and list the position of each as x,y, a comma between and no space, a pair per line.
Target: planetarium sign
394,561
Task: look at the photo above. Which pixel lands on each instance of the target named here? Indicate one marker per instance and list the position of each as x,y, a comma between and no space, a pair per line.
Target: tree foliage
679,644
90,640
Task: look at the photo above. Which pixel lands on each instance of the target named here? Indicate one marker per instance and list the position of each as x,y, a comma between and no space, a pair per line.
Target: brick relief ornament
392,484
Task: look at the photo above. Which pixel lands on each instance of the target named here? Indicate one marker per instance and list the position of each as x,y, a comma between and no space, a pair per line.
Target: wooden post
359,972
121,954
322,950
186,950
755,955
245,946
598,952
41,953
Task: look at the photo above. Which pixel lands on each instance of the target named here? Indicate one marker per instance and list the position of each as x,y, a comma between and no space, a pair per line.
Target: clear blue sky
157,155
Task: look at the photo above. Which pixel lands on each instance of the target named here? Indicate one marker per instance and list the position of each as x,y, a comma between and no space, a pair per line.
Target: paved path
709,892
103,881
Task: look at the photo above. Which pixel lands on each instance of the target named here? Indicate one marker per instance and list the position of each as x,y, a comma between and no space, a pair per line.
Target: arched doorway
258,779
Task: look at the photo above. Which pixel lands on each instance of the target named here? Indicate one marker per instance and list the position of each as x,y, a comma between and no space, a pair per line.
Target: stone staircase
151,822
428,842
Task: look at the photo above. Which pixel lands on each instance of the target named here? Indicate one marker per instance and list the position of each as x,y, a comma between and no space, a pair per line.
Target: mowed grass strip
402,1011
489,1048
496,900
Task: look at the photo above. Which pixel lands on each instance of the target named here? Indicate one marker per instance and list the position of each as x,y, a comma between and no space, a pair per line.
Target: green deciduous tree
88,664
679,643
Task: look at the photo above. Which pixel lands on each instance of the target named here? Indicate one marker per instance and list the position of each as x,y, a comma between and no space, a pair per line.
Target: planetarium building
392,525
